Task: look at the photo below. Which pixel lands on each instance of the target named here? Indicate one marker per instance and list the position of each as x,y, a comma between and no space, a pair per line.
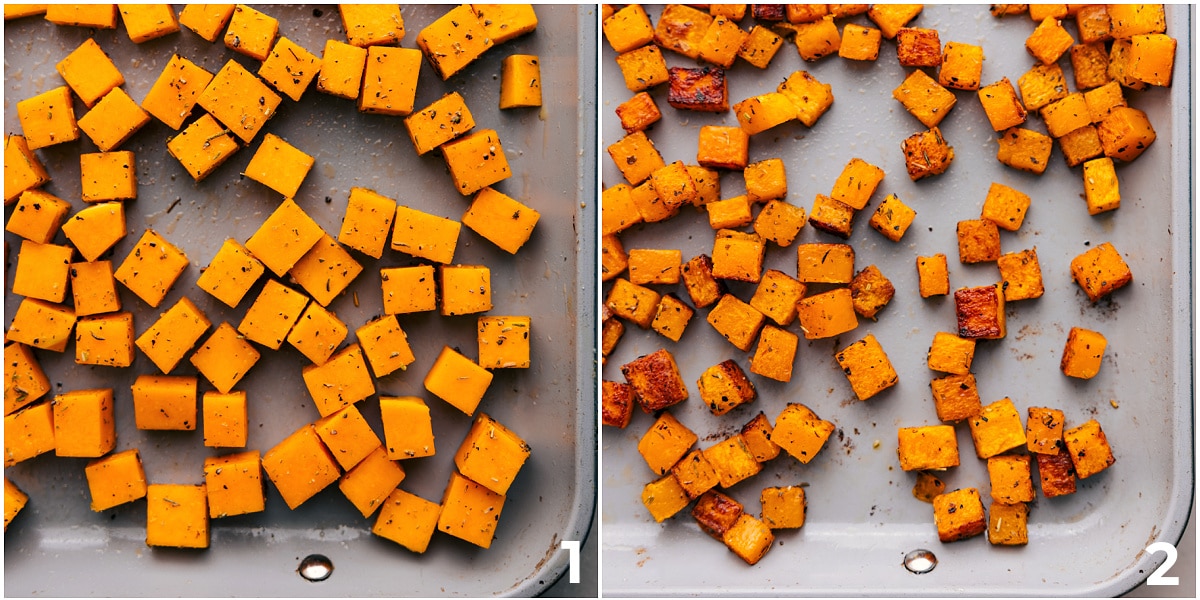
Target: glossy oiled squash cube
476,160
94,288
24,380
22,169
824,263
749,538
776,354
115,479
271,316
425,235
42,324
736,321
251,32
1025,150
715,513
290,68
90,72
226,424
108,176
1100,271
980,312
202,147
1083,353
28,433
390,81
1010,478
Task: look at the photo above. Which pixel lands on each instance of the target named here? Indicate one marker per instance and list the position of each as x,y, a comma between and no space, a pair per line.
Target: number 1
572,546
1157,577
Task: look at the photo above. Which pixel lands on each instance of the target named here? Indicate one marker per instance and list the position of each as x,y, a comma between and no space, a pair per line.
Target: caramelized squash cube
1043,430
729,213
918,47
757,435
1152,58
633,302
616,404
892,218
1056,472
674,186
732,461
701,89
702,287
749,538
867,367
832,216
716,513
978,241
780,222
724,387
980,312
871,291
694,474
824,263
656,380
1088,448
817,39
926,154
1041,85
1066,115
1093,23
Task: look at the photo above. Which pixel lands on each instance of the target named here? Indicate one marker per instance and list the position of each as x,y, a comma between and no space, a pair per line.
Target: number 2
572,547
1157,577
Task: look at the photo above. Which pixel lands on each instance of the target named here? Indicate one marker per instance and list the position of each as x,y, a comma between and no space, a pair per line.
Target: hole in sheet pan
920,561
315,567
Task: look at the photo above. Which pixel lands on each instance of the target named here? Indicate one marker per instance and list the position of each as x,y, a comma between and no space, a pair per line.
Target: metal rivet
920,561
315,567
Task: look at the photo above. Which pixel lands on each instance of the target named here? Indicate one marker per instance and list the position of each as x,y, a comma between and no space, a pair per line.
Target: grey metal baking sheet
58,547
862,518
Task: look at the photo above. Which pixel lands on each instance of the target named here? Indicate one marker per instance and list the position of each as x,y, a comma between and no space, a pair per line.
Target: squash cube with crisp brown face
918,47
997,429
665,443
702,89
927,154
980,312
702,287
1100,271
956,397
1089,65
757,435
724,386
1088,448
656,380
832,216
928,447
867,367
716,513
959,515
1056,472
616,404
871,291
800,432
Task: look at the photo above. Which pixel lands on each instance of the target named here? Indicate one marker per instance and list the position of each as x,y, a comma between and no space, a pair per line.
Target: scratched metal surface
58,547
862,518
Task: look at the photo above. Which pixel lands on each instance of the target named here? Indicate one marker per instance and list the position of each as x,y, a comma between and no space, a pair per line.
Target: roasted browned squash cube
722,42
665,443
681,29
809,97
736,321
1089,65
1100,271
749,538
1049,41
777,295
1088,448
1010,477
997,429
956,397
918,47
780,222
794,13
656,381
616,403
674,186
926,154
618,211
1066,115
760,46
867,367
962,66
1041,85
1081,145
702,287
633,302
800,432
857,182
924,98
1043,430
1008,10
871,291
694,474
757,435
708,184
959,515
1005,206
1000,103
729,213
638,112
783,507
980,312
701,88
1083,353
636,157
716,513
832,216
892,218
724,386
933,275
1056,472
978,241
928,447
1025,150
1008,524
672,317
1039,12
1020,275
951,354
1125,133
732,460
818,39
1093,23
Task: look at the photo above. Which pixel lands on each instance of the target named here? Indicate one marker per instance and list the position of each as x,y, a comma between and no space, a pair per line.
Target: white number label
1157,577
572,546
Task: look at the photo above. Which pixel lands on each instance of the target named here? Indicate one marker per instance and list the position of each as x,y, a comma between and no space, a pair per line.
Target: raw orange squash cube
470,511
371,481
202,147
390,81
164,402
639,112
226,424
108,176
290,68
817,39
341,381
83,423
24,380
342,67
42,324
633,302
738,256
1066,115
501,220
857,183
42,271
732,460
348,436
650,265
1128,20
28,433
90,72
425,235
271,316
300,466
104,340
326,270
176,516
997,429
176,91
454,41
457,380
94,288
722,147
924,98
234,484
867,367
491,455
407,428
636,157
765,180
225,357
722,42
1152,58
465,289
251,32
827,314
385,344
408,520
408,289
776,296
144,22
367,222
239,100
115,479
372,24
279,165
114,119
476,160
284,237
757,435
800,432
442,121
22,169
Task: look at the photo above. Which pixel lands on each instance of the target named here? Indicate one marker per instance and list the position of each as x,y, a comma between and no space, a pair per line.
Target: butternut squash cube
1044,430
729,213
279,165
1081,145
407,427
633,302
776,354
372,24
176,515
824,263
681,28
1125,133
978,241
765,180
408,520
618,210
1011,482
501,220
723,147
962,65
980,312
1119,63
104,340
83,423
926,154
636,157
857,182
674,186
408,289
1088,448
97,16
871,291
390,81
108,176
783,507
832,216
860,43
639,112
342,67
42,271
1048,41
115,479
997,429
1020,275
1152,58
1093,23
760,113
1100,271
647,265
1041,85
708,184
234,484
317,333
326,270
628,28
300,466
757,435
454,41
442,121
272,315
959,515
892,218
1056,472
1008,524
470,511
867,367
341,381
778,12
665,443
520,82
239,99
164,402
809,97
251,32
1005,206
702,287
42,324
1083,353
827,314
1136,19
17,11
1001,105
114,119
732,460
465,289
724,386
643,68
89,72
206,20
1025,150
749,538
891,17
225,357
664,498
1089,65
956,397
476,161
924,98
503,22
918,47
656,380
616,404
22,169
94,229
776,296
176,92
348,436
1038,12
28,433
225,422
780,222
284,237
202,147
928,447
817,39
385,344
738,256
145,22
152,268
367,222
94,288
1066,115
491,454
425,235
457,380
715,512
671,317
736,321
928,487
503,342
24,380
800,432
760,46
722,41
368,485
